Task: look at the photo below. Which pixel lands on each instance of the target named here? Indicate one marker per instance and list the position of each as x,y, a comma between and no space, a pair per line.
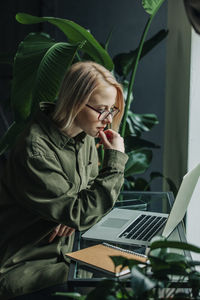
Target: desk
80,276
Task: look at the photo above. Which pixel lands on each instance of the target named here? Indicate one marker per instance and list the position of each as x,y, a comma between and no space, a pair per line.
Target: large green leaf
139,160
138,123
124,62
28,57
174,244
38,60
75,34
51,71
152,6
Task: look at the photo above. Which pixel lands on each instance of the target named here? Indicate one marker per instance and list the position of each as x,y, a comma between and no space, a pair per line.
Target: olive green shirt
50,179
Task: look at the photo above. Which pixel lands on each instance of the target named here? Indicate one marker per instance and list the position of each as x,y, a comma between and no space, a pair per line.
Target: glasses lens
114,112
105,114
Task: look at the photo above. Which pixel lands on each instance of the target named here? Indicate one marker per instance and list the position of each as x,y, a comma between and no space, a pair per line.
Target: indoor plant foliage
39,67
166,275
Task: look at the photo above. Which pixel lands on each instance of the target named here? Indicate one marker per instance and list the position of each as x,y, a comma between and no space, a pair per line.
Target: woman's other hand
111,140
61,230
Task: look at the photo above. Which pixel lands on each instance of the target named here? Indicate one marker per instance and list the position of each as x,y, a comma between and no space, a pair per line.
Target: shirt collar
54,133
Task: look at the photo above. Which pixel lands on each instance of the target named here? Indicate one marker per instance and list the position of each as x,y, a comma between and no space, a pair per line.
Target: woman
51,185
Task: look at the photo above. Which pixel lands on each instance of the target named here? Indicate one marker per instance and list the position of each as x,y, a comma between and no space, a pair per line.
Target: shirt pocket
86,174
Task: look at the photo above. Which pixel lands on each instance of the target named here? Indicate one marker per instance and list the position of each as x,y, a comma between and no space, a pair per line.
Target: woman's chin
94,134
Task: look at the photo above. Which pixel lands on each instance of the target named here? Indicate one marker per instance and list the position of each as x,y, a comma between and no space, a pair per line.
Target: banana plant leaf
39,66
138,162
151,6
52,70
124,62
138,123
75,34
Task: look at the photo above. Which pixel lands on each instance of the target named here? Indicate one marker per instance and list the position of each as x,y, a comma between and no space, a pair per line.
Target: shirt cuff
115,159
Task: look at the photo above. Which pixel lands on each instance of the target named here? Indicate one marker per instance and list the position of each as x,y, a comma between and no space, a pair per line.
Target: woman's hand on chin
110,139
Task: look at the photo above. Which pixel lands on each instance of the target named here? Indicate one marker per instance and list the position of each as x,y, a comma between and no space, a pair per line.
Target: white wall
193,213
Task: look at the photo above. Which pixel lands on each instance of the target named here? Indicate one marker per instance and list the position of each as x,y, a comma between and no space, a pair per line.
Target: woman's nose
108,119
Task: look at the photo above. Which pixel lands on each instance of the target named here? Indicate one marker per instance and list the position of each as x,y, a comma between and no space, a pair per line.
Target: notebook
98,257
135,227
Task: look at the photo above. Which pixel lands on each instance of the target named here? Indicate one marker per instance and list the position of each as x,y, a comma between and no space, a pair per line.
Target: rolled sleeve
115,159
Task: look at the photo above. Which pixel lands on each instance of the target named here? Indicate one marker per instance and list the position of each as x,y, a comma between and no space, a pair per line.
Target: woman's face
87,119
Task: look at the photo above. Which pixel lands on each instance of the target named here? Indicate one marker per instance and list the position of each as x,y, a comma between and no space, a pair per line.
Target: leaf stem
132,80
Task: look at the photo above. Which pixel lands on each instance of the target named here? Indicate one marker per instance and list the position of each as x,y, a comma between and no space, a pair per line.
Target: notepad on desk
98,257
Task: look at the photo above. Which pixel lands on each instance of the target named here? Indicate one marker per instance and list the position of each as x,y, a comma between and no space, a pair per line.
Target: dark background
127,19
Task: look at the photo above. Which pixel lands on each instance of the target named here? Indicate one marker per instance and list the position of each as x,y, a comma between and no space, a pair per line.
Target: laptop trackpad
114,222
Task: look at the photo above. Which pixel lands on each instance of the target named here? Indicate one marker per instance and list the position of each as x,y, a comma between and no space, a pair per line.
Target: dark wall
127,19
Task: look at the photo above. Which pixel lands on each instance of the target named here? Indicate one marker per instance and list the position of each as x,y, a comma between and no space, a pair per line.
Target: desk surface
149,201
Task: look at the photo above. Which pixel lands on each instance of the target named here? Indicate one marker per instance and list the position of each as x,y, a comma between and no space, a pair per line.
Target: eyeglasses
105,113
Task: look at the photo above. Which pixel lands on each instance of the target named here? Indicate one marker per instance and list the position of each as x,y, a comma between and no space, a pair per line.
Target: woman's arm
43,187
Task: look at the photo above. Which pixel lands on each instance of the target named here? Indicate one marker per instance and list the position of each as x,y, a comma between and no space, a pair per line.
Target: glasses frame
105,110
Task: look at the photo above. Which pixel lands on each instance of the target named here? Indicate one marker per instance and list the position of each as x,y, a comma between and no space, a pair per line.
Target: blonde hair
81,80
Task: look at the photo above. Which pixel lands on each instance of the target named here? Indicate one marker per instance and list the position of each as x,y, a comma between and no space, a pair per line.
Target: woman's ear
192,8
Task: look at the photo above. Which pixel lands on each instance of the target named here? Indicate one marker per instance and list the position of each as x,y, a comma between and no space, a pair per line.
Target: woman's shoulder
34,141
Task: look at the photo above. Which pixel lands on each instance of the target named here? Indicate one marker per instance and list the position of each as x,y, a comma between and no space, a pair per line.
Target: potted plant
166,275
39,67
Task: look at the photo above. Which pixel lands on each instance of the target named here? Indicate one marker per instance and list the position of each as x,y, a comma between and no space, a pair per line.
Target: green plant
162,277
39,67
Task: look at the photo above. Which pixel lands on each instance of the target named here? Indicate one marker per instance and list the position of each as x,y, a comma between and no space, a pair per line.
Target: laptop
135,227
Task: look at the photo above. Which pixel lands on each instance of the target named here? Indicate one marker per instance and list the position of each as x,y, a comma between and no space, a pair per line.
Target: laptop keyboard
144,227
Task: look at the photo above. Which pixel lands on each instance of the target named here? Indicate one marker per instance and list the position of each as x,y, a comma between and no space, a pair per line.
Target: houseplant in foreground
167,275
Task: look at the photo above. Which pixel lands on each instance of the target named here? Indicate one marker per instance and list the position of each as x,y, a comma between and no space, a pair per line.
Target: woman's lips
100,128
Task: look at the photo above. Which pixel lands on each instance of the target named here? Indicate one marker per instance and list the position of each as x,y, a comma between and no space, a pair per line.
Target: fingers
68,231
104,139
61,230
111,140
65,231
54,233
